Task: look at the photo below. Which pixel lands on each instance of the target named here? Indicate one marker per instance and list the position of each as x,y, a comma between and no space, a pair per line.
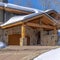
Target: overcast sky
39,4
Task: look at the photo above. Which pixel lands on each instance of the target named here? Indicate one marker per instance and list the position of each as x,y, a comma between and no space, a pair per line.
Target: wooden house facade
29,27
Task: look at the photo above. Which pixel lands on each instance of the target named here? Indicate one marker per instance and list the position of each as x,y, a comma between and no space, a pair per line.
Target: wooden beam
40,26
15,10
51,21
11,25
47,20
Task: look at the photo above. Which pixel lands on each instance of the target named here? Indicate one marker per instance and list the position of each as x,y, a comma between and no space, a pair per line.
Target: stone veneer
10,31
46,40
50,39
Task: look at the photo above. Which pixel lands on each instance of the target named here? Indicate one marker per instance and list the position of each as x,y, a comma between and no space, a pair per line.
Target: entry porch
39,30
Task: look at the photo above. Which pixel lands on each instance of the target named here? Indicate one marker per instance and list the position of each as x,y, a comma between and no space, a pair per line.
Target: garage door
14,39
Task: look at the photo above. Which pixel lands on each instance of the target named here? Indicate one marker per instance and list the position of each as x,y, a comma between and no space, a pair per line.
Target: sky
39,4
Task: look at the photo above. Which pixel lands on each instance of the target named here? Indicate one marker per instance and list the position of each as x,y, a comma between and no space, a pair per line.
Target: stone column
55,36
23,39
41,30
55,31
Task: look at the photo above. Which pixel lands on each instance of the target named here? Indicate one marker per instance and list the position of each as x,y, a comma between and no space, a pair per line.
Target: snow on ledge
51,55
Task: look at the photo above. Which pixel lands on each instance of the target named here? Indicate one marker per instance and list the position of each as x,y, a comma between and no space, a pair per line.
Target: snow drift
2,45
51,55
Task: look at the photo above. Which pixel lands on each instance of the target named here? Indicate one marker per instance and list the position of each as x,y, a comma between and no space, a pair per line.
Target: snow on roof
51,55
13,6
48,10
17,7
13,20
19,18
23,18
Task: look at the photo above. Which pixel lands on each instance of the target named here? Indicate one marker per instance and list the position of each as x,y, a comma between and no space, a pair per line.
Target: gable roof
20,18
23,18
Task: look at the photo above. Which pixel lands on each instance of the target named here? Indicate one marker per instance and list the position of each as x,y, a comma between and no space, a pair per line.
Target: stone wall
10,31
32,34
17,30
46,40
1,16
1,34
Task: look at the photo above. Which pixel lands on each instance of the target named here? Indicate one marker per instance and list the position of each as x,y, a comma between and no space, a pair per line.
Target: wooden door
14,39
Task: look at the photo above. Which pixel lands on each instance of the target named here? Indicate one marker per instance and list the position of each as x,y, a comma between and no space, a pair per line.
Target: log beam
40,26
14,10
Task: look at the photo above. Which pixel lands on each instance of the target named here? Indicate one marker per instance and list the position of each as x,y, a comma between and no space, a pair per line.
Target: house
27,26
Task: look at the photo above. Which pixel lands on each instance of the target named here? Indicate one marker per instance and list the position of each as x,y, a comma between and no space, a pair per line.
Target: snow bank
2,45
51,55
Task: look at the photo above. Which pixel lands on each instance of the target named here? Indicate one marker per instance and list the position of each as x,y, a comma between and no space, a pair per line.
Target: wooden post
23,31
23,38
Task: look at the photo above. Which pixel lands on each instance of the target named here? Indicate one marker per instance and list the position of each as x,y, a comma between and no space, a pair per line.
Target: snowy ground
51,55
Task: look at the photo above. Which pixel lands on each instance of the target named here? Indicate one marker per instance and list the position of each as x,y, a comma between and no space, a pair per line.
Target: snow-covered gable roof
21,18
13,6
17,7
